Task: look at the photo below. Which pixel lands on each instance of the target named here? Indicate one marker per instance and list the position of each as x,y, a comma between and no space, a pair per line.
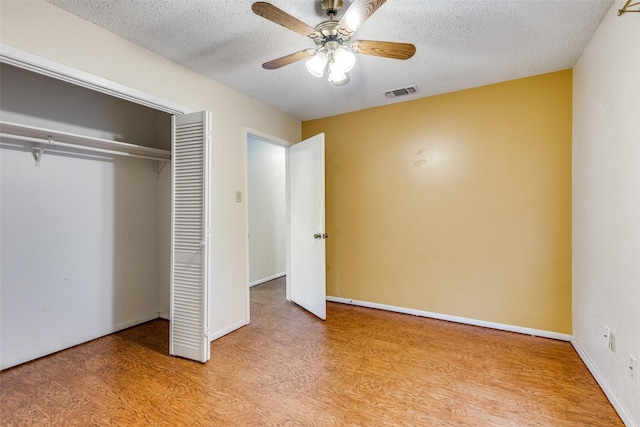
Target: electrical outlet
633,368
607,334
612,342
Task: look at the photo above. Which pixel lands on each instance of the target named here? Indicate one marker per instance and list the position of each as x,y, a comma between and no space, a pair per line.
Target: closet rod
50,141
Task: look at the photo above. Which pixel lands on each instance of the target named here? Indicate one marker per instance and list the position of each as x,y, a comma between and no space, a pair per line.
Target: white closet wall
267,210
80,248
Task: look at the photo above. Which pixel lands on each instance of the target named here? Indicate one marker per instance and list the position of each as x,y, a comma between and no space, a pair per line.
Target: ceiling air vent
394,93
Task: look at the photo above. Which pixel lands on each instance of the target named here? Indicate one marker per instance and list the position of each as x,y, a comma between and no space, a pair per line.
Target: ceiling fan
332,37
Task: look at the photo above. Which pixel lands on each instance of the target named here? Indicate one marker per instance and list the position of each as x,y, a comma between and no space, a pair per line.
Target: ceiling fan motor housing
329,31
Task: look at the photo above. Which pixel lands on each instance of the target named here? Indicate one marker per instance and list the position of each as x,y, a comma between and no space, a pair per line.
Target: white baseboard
266,279
626,419
63,345
457,319
163,315
225,331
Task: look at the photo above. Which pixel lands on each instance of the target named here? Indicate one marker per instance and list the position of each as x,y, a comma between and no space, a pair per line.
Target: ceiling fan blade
289,59
273,14
385,49
356,14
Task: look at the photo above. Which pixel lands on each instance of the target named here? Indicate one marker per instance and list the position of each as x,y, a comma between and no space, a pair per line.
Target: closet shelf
44,137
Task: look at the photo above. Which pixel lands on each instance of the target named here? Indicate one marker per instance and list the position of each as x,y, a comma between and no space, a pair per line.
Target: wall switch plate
238,196
633,368
607,334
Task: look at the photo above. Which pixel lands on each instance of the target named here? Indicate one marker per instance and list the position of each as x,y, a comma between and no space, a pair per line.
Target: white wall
266,200
606,205
79,250
42,29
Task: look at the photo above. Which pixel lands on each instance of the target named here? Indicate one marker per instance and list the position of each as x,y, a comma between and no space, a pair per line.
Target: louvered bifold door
190,237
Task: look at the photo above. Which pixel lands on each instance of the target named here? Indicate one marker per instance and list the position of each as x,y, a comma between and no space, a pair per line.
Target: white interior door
306,225
188,335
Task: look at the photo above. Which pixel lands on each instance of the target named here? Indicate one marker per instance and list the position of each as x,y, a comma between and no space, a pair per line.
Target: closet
85,214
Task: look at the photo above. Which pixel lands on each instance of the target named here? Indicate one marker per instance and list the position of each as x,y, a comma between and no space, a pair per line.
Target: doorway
266,208
304,233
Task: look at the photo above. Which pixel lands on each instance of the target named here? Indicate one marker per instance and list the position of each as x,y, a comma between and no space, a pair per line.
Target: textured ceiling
460,44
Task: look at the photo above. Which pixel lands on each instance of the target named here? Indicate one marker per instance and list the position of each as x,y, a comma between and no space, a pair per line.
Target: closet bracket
160,164
38,151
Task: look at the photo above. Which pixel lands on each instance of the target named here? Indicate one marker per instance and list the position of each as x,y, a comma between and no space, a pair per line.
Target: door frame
270,139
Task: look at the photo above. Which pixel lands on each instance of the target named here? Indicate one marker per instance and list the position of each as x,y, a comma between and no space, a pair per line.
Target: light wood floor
361,367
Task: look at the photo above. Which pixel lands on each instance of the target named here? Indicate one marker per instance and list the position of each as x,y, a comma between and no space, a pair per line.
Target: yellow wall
457,204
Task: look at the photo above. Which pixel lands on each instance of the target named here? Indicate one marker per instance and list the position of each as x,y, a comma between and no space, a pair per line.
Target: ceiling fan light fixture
317,63
337,76
344,58
343,80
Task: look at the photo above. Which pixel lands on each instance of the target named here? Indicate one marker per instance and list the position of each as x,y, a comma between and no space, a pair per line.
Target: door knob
317,236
